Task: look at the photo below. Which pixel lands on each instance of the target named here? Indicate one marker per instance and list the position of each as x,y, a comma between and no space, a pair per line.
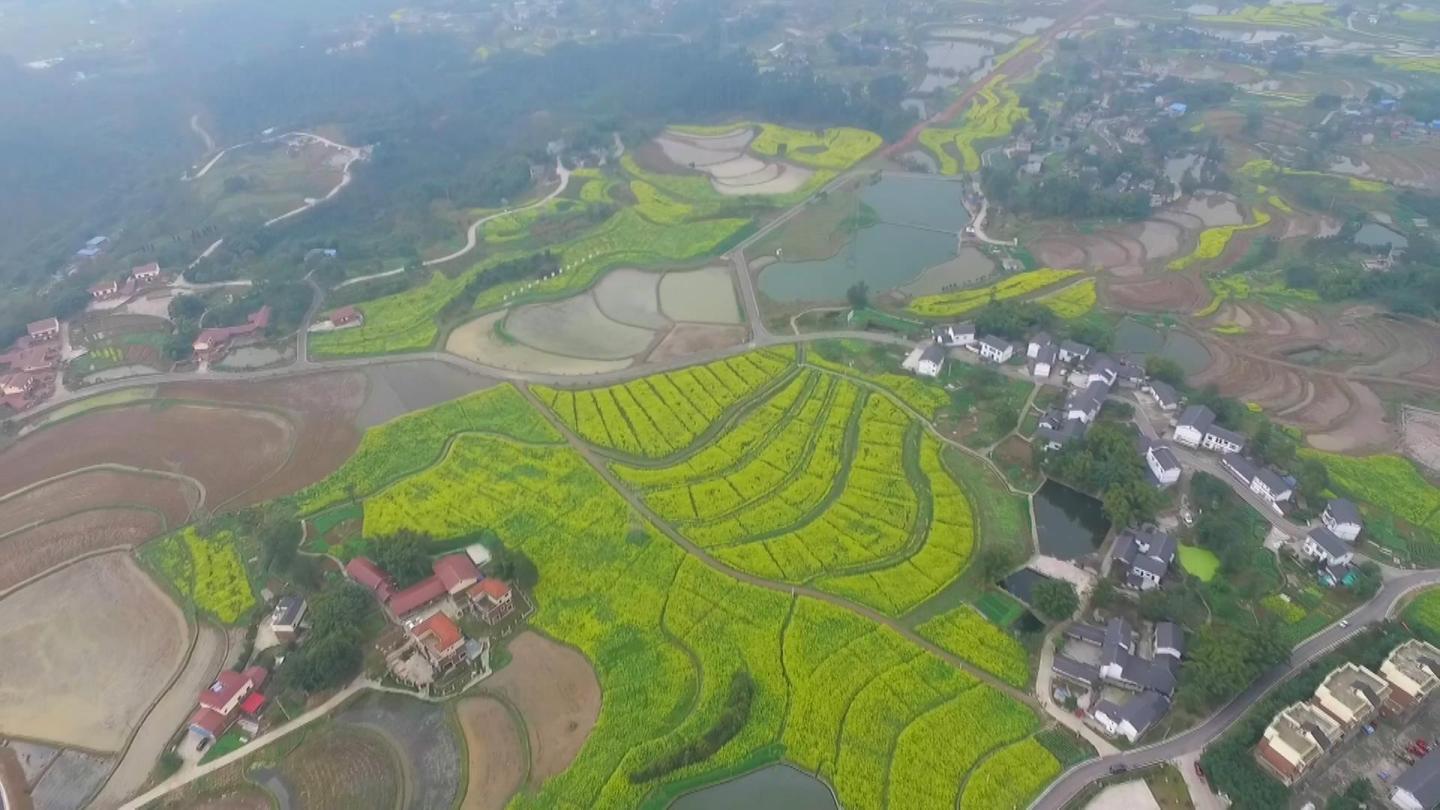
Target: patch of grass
1066,746
1423,615
1000,608
1198,562
228,742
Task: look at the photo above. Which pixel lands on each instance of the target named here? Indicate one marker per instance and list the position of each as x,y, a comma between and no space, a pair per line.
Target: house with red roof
212,341
345,316
146,272
104,289
440,640
223,702
422,594
371,577
456,572
492,599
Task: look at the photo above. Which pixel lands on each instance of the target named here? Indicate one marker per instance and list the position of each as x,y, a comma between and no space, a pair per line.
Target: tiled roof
417,596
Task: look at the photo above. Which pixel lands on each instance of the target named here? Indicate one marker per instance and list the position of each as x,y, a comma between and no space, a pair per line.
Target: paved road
1195,740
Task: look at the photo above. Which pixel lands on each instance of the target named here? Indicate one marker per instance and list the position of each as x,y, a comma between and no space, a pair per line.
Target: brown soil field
93,489
557,694
1167,292
496,755
322,408
227,450
235,798
344,766
31,552
86,650
688,338
1406,165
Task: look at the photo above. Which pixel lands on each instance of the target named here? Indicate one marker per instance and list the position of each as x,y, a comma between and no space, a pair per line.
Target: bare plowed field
228,450
86,650
323,409
1172,292
31,552
497,757
93,489
344,766
557,694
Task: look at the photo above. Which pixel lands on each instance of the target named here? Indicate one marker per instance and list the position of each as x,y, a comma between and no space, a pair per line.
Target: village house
440,640
1197,428
1055,430
1413,671
1043,361
1073,352
1132,719
926,360
32,358
225,701
1144,556
1164,395
212,342
346,316
1153,680
1322,544
1343,518
1419,787
1100,369
1038,342
1353,695
1274,488
104,289
1083,404
492,599
1163,465
1295,740
145,272
371,577
995,349
42,330
956,335
17,384
417,597
456,585
286,618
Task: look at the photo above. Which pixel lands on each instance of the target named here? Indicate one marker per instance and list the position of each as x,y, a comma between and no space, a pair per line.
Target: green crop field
1423,614
656,416
1386,482
205,571
840,696
964,632
1213,241
993,114
1071,302
838,148
950,304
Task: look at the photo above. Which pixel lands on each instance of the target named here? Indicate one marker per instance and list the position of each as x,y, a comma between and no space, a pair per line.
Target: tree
1130,503
1165,370
995,562
332,654
403,555
1226,658
279,541
1367,580
186,308
858,295
1055,600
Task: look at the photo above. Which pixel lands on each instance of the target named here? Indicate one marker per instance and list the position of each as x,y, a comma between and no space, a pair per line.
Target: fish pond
776,787
1137,340
1068,524
916,226
1021,584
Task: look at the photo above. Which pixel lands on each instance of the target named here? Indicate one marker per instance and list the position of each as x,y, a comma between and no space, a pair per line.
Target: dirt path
199,129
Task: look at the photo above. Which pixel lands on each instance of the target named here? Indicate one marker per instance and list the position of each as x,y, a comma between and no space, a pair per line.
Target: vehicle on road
1344,623
1119,768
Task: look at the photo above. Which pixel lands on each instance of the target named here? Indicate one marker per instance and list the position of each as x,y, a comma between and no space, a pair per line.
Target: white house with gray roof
1343,518
1270,485
1197,428
1322,544
995,349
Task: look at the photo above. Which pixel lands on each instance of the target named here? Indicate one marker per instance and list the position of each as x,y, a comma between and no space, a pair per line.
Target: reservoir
1068,524
776,787
1135,339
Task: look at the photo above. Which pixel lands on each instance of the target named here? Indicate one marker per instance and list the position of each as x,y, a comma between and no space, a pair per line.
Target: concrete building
1343,518
1413,671
1321,544
1295,740
1197,428
1353,695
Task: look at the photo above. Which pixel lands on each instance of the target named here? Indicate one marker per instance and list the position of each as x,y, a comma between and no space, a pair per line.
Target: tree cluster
331,655
1105,461
738,703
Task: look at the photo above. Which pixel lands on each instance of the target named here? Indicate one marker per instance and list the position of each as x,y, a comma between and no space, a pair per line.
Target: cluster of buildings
115,290
1143,676
1351,698
31,366
928,358
1141,558
429,611
1089,375
234,697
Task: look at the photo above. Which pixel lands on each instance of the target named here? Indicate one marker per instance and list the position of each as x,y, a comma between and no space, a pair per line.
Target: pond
949,61
920,219
1021,584
1134,339
1177,167
1373,235
1068,524
777,787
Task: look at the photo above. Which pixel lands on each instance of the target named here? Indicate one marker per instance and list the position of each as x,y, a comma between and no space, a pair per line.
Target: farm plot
107,610
993,114
817,485
670,639
656,416
422,740
945,305
576,327
964,632
1388,483
632,297
1071,302
343,766
485,340
556,692
93,489
701,296
31,552
112,340
206,571
496,757
1213,241
227,449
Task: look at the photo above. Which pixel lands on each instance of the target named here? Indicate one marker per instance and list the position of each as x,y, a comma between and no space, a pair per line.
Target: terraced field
670,636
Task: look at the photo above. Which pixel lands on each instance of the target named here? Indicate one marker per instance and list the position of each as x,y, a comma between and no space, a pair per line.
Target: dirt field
557,694
689,338
227,449
323,410
1421,434
236,798
56,630
497,759
93,489
424,735
34,551
344,767
396,389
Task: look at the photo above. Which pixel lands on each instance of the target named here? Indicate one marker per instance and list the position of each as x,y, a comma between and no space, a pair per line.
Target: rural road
1194,741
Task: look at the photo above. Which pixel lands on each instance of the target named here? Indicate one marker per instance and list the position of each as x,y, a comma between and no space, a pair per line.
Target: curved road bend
1193,741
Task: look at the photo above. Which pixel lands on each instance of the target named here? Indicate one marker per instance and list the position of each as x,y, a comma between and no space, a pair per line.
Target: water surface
777,787
1068,524
1136,340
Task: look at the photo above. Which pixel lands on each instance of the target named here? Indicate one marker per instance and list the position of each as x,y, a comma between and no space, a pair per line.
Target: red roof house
46,329
104,289
252,704
146,272
368,574
456,572
208,723
212,340
440,638
231,690
492,599
417,596
344,315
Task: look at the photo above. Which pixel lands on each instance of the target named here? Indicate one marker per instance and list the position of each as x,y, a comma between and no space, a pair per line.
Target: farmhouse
1040,341
346,316
927,360
1322,544
1164,466
1044,361
104,289
1055,431
1101,369
440,640
1132,719
1083,404
371,577
456,572
1413,671
42,330
1271,486
1119,665
492,599
1164,395
285,620
1197,428
1143,556
1419,787
421,595
457,583
959,334
1343,518
995,349
212,342
222,703
145,272
1071,351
